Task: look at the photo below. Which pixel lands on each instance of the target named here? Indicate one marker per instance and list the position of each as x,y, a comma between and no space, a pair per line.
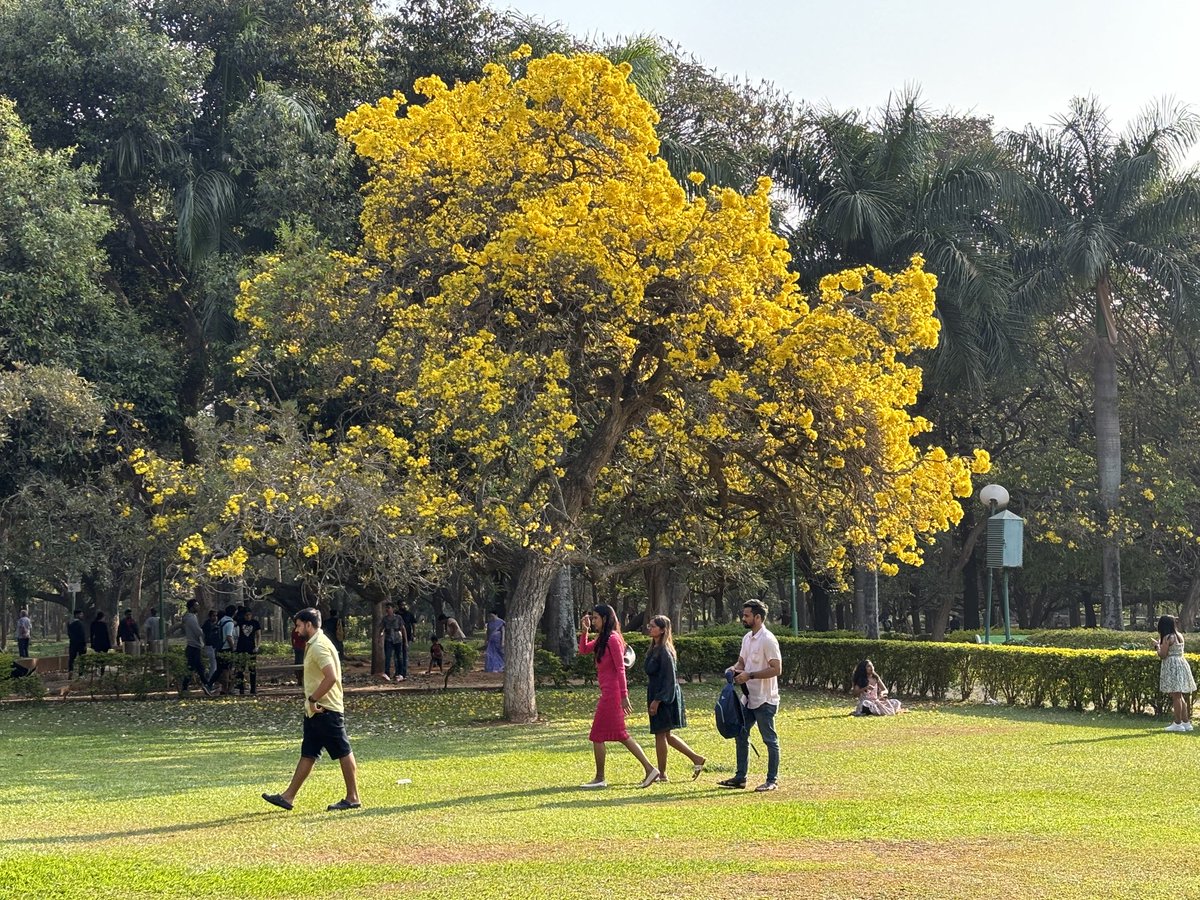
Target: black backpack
731,715
212,634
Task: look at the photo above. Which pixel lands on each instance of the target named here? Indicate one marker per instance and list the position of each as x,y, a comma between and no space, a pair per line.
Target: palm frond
1173,210
650,62
683,158
205,206
1167,129
133,150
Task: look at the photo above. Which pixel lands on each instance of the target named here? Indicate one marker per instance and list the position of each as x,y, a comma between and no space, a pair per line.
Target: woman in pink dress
609,722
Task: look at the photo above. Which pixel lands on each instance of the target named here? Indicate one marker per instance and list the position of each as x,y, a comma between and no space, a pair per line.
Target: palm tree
877,190
1107,208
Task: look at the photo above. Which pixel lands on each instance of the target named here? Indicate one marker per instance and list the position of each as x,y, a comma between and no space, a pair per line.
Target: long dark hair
665,643
860,674
1167,627
611,626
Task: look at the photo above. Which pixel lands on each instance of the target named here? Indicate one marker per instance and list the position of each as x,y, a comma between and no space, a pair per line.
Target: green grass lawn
161,799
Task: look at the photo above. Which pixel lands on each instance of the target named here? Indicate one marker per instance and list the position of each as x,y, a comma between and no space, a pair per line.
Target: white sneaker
386,677
1187,726
1177,727
399,677
594,784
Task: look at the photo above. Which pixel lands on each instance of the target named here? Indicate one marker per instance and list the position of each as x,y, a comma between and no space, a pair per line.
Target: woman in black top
664,698
101,638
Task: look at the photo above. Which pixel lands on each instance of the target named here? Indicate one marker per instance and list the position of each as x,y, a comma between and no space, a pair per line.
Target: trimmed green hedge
1092,638
1124,680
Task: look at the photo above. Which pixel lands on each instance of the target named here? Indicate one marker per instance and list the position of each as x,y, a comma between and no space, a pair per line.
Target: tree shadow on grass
173,828
594,799
441,804
1139,735
1110,721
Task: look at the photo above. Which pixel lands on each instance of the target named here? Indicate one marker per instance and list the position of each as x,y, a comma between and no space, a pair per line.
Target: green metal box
1005,541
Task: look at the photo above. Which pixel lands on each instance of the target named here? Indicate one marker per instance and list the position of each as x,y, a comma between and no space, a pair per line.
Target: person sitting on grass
435,655
872,692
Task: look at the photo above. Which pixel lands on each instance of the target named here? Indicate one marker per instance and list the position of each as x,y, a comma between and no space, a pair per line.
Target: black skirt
670,716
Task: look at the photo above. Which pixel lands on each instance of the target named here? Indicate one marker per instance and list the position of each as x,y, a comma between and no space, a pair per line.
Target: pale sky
1019,61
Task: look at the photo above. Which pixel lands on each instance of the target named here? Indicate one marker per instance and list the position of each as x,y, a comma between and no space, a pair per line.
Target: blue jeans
764,717
397,652
23,647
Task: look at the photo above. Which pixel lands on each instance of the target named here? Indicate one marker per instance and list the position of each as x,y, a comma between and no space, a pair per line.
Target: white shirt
757,652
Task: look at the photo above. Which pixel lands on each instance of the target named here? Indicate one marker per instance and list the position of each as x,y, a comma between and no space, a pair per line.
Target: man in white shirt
24,633
150,631
758,667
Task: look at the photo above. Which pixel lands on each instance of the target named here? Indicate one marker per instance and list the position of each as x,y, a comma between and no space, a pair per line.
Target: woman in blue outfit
664,699
493,650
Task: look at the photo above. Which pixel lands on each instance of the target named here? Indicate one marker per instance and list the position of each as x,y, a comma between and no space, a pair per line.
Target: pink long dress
609,722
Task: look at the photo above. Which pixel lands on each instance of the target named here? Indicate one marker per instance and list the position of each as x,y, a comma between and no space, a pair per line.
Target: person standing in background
76,640
248,629
128,635
194,648
394,635
150,632
24,633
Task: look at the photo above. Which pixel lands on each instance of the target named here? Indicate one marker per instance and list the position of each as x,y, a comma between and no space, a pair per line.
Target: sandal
651,777
342,804
277,800
697,768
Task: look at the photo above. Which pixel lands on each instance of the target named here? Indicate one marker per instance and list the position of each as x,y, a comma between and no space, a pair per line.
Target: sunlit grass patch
162,799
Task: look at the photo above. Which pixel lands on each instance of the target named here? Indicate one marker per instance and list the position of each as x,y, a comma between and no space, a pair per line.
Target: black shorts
325,731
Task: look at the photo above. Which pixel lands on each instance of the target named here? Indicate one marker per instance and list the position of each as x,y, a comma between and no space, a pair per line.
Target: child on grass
435,655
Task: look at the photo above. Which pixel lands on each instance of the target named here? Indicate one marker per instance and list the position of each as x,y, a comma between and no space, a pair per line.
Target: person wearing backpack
226,648
212,643
758,668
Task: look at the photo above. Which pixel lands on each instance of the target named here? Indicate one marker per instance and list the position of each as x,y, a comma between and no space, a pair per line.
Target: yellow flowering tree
332,511
536,302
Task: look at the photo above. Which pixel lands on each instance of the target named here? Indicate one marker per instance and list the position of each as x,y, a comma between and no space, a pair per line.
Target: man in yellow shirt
324,724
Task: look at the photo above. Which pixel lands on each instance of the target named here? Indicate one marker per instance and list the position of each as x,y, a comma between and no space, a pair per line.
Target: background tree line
151,153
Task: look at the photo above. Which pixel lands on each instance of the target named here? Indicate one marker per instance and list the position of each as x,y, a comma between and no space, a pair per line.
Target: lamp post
795,621
1005,547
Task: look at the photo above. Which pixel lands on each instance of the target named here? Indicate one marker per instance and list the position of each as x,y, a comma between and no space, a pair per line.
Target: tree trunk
1191,603
970,586
377,637
560,616
941,617
1073,619
821,610
677,594
520,637
1089,609
871,605
656,589
1108,452
861,586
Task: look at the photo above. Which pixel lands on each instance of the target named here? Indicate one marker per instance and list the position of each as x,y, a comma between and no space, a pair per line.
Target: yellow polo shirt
319,652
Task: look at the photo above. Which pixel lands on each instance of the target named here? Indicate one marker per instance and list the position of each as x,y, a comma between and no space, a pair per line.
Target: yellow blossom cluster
539,313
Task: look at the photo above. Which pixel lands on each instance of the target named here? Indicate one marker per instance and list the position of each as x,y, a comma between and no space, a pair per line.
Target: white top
757,652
